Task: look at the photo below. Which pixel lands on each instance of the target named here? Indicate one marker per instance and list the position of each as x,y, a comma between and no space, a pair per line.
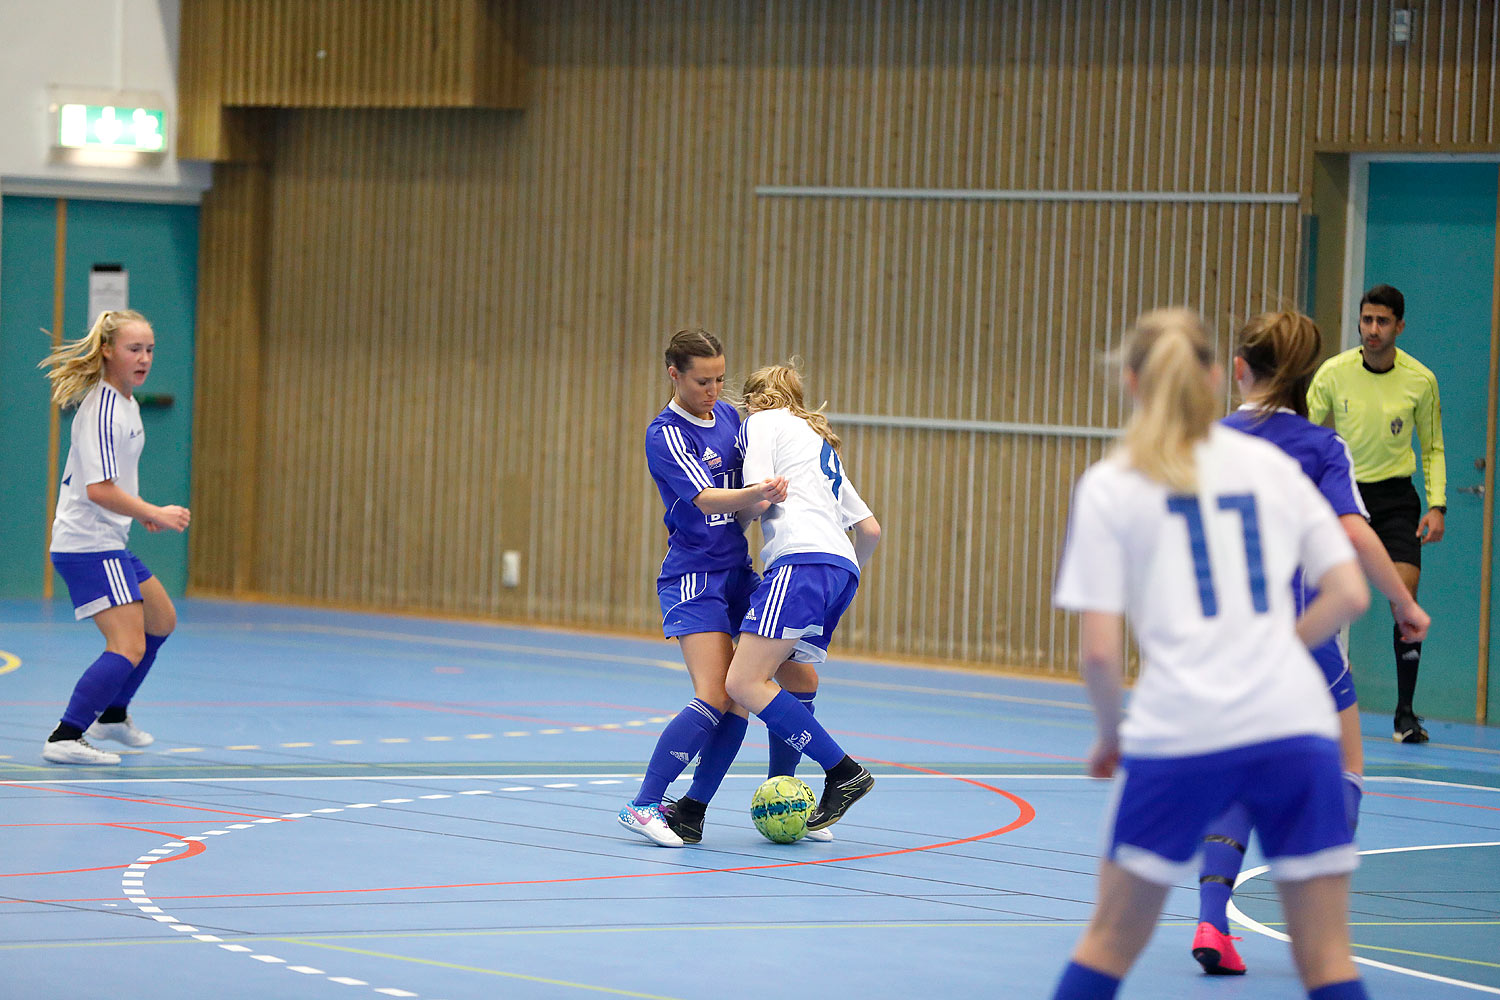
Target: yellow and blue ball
780,807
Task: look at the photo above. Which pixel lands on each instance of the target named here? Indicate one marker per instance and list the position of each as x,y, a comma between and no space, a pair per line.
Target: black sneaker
685,818
838,796
1408,728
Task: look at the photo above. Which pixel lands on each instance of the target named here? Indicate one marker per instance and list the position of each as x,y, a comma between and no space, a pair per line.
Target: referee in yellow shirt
1378,395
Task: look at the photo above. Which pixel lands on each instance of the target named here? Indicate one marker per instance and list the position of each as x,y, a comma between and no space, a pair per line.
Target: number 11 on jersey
1242,504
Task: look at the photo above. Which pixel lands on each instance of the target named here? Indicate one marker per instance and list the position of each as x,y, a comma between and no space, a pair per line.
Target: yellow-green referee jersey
1376,412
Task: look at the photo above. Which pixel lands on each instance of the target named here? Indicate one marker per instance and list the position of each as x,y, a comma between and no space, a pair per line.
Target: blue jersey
686,456
1323,455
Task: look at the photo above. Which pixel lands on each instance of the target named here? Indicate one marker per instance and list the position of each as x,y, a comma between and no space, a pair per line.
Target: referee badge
1396,426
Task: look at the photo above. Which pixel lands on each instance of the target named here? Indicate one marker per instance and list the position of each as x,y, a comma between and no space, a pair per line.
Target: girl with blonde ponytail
1194,532
1275,357
98,499
811,573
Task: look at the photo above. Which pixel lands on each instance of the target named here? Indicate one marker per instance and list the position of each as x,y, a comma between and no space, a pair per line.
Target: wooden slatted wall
465,309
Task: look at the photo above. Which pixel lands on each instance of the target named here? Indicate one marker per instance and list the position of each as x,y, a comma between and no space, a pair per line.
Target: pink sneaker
1215,952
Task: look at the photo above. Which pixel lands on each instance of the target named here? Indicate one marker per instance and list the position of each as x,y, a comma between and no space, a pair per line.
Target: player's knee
133,648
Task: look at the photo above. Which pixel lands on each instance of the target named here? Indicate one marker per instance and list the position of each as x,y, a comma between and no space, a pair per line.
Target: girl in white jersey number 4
98,499
811,571
1194,531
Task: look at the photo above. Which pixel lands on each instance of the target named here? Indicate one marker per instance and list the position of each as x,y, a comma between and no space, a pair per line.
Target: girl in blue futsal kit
1275,357
704,586
811,573
98,500
1194,532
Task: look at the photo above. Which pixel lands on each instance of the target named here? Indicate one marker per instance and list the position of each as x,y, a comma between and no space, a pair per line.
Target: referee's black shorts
1395,511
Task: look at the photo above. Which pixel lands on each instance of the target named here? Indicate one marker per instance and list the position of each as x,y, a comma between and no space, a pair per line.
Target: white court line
884,776
1239,917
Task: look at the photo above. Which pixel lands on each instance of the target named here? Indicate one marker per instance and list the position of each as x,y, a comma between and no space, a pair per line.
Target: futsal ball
780,807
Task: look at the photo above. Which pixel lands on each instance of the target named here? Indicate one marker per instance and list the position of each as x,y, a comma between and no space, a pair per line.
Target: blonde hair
1169,353
76,366
778,387
1282,351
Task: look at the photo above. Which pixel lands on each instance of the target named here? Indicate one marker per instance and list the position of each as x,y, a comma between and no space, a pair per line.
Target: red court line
960,746
194,848
1434,802
121,798
1026,813
159,822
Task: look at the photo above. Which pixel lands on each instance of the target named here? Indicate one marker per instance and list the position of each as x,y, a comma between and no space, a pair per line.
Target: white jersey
811,524
107,440
1205,581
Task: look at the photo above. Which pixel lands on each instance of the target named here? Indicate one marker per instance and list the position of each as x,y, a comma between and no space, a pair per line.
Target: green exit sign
106,127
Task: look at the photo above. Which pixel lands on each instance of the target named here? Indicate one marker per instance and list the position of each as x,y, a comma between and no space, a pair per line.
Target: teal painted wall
158,245
1430,231
27,247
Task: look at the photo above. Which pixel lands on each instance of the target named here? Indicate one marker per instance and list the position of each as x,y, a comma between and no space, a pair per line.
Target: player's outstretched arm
721,501
1342,597
1376,563
107,494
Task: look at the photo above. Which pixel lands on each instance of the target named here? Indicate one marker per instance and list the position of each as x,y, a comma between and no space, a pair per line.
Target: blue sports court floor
344,805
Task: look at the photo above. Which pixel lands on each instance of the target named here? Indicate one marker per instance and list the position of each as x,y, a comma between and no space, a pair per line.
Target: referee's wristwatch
1441,508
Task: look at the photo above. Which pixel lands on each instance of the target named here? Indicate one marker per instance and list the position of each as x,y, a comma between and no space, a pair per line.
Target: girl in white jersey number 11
98,499
1194,532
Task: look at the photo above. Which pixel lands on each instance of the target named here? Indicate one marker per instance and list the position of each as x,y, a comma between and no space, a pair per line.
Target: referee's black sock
1408,659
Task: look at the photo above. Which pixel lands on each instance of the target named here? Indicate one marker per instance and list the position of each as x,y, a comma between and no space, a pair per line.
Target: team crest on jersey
711,458
1396,426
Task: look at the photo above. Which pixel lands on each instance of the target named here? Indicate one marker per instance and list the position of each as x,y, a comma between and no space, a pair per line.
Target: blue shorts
1334,662
706,602
1292,788
802,601
99,580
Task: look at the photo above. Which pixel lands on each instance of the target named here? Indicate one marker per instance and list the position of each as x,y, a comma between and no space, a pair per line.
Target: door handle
1477,491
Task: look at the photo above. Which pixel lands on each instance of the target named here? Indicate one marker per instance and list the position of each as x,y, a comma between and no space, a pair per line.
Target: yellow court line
8,662
1423,954
473,968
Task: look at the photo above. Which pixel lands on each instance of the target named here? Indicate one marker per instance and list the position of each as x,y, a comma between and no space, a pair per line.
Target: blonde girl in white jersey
1192,531
98,499
811,571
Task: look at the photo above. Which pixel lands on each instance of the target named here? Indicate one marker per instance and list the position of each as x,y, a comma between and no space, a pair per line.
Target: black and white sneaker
685,818
1408,728
839,793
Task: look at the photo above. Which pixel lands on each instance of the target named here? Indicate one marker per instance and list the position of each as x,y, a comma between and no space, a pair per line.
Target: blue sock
790,721
1354,791
1079,982
784,759
1354,989
1223,854
675,749
121,700
95,688
718,753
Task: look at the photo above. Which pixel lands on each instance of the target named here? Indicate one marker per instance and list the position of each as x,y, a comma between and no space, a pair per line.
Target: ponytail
1281,350
1169,353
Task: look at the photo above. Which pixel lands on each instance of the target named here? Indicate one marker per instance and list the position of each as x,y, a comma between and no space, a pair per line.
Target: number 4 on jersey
1242,504
832,468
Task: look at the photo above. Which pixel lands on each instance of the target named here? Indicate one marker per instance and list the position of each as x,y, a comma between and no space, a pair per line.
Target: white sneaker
823,836
646,821
76,752
121,732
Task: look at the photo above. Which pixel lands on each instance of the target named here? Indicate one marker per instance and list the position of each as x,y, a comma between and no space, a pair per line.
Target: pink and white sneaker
647,821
